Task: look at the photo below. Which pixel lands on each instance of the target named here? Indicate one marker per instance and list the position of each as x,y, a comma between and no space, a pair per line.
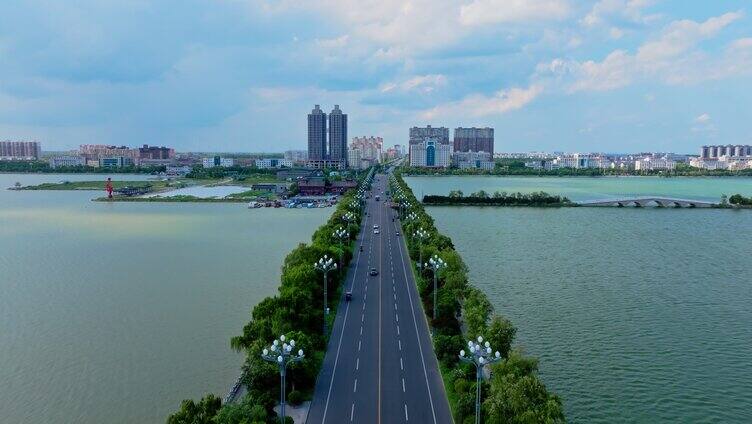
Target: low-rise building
478,160
654,164
218,161
181,171
545,164
275,188
270,163
339,187
312,187
296,156
115,162
65,161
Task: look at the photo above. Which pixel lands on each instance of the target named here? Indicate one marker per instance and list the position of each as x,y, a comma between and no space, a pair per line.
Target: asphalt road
380,366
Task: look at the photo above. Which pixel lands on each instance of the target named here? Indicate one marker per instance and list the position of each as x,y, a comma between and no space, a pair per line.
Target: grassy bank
297,312
514,394
99,185
481,198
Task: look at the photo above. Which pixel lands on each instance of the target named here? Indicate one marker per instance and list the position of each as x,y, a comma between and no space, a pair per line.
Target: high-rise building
153,152
20,150
338,136
474,140
419,134
370,147
430,153
317,135
734,151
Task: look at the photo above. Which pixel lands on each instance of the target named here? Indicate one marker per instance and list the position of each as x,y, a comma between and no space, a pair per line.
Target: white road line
358,345
362,317
395,296
396,316
406,418
401,366
352,411
361,330
403,384
398,333
357,364
400,344
355,386
395,306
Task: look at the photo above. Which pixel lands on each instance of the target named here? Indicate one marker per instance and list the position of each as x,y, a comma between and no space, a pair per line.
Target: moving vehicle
361,247
376,231
348,296
375,226
378,197
374,272
397,233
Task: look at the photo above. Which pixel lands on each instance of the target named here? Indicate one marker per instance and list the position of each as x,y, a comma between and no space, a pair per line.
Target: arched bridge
661,202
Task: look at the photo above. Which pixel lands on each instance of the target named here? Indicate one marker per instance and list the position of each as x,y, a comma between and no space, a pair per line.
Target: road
380,366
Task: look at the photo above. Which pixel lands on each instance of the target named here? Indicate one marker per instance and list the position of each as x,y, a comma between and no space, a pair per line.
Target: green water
637,315
114,313
588,188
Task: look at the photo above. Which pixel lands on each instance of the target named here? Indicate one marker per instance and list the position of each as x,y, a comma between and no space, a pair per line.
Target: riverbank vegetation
482,198
739,200
516,167
515,393
99,185
297,312
36,167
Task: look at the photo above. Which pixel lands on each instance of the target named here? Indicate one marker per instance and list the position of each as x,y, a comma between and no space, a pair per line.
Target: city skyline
610,75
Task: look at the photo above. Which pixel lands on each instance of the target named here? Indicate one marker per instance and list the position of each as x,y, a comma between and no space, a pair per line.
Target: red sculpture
108,188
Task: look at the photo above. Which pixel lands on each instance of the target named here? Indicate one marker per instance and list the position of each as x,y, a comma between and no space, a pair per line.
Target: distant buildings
318,156
474,140
95,152
296,156
178,171
218,161
65,161
270,163
430,153
364,152
654,163
477,160
20,150
730,150
158,153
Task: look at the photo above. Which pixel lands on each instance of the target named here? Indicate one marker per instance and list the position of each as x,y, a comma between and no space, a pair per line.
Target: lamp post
325,265
420,234
348,218
480,356
341,235
435,264
281,353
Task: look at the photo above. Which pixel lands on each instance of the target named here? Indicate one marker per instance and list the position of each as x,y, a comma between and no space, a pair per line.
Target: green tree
500,334
202,412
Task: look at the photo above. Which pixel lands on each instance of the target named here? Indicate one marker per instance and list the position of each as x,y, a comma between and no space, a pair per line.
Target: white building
370,147
579,161
467,160
654,164
178,170
218,161
273,163
62,161
430,153
546,164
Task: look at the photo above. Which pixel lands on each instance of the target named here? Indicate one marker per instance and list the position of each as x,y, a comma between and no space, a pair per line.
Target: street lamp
342,235
281,353
325,265
480,356
420,234
435,264
348,218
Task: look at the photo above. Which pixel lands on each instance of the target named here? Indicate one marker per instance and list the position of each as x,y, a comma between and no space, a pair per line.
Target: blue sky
241,75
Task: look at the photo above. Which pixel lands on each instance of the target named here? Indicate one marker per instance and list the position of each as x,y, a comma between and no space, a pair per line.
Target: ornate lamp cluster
281,353
325,265
479,354
435,264
420,233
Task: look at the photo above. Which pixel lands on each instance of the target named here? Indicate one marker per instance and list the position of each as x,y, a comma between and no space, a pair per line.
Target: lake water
115,312
203,192
589,188
637,315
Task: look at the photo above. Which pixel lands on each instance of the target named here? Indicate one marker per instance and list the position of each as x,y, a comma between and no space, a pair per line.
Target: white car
376,231
375,227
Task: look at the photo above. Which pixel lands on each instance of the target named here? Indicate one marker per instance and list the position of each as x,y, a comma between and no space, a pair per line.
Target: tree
202,412
501,334
456,194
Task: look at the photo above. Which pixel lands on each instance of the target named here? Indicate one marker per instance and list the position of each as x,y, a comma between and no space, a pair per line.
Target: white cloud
672,58
333,43
421,83
627,10
481,12
702,119
501,102
616,33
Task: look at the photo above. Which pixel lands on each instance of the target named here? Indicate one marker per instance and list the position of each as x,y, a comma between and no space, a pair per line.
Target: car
348,296
376,231
397,233
374,272
375,227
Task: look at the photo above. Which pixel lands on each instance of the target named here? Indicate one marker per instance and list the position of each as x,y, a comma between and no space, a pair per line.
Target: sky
241,75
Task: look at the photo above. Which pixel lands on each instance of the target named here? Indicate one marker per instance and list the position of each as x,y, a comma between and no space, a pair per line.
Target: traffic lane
424,367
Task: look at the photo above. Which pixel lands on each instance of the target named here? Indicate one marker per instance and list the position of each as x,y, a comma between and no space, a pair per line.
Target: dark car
348,296
374,272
